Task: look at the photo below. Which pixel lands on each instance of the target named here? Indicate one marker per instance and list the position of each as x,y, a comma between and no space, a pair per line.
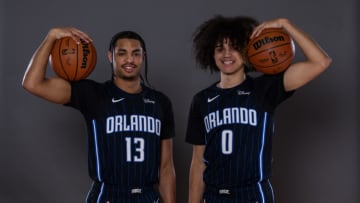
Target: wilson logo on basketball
72,61
267,40
271,52
86,52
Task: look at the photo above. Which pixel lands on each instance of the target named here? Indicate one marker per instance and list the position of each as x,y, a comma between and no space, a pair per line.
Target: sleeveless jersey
124,131
237,126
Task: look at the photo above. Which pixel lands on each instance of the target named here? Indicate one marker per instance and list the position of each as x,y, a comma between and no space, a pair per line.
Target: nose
129,58
227,52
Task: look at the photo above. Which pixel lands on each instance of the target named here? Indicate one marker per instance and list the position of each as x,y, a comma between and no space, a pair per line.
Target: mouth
228,62
128,67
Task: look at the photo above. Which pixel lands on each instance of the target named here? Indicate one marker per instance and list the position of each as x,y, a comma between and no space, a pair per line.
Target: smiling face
127,58
227,58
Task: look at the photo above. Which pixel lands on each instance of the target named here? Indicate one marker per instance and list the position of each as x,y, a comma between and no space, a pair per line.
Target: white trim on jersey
101,192
96,151
272,191
261,156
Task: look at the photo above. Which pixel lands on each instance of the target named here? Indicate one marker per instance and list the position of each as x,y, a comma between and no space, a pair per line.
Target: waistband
117,188
237,190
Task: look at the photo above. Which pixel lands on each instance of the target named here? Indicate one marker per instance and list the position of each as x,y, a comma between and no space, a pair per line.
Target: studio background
43,155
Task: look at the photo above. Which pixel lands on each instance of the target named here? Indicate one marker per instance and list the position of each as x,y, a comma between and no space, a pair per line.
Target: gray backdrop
43,146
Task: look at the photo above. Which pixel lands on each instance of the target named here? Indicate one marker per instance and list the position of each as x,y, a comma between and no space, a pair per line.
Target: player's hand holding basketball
54,89
73,55
277,23
74,33
316,60
270,50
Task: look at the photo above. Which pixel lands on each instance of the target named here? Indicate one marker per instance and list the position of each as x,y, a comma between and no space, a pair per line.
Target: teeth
128,68
228,62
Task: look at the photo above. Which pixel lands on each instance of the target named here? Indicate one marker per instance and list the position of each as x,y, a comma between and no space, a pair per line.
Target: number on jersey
135,147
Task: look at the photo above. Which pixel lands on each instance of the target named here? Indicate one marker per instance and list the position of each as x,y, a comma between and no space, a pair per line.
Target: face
127,58
227,58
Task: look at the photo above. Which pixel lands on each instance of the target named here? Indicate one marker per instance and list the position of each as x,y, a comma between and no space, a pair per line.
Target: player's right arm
53,89
300,73
197,167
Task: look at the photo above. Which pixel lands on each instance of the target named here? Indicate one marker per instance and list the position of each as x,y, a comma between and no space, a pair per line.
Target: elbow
29,85
320,65
325,63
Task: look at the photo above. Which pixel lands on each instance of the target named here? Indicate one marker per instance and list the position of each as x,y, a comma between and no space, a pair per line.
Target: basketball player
231,123
130,126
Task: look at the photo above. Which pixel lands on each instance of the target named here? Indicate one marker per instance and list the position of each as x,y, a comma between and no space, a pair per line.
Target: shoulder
86,93
263,78
270,91
89,87
87,83
267,81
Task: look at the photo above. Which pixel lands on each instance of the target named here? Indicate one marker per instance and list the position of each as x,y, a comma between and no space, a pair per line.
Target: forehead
128,44
225,40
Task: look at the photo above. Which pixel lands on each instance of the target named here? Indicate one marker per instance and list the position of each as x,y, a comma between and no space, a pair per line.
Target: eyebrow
125,50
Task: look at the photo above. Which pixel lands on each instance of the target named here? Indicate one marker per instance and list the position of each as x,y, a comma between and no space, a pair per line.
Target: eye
120,53
137,54
219,49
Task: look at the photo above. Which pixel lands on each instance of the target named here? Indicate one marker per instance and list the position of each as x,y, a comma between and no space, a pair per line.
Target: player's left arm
300,73
167,182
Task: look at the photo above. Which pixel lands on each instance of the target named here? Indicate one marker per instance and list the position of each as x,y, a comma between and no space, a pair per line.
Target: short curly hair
237,29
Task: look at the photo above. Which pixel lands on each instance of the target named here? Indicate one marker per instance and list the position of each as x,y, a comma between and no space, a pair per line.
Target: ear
110,56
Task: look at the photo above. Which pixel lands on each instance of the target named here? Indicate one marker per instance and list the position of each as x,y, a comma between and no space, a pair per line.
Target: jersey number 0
227,141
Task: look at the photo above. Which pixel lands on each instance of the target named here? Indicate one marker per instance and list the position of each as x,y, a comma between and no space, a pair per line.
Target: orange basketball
72,61
272,51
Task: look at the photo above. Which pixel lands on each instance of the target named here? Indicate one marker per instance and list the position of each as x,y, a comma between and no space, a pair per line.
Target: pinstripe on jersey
124,133
237,126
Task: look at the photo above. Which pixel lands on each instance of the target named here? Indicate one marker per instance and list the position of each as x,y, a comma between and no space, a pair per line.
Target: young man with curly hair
231,123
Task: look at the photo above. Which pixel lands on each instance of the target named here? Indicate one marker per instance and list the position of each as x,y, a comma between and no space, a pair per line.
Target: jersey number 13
135,149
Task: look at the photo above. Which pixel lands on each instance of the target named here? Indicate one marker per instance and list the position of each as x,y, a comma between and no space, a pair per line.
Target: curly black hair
237,29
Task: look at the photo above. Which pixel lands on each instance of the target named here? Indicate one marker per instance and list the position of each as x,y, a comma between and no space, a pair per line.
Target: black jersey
237,126
124,131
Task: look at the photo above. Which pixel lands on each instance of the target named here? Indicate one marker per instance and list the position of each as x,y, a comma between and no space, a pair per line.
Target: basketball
72,61
272,51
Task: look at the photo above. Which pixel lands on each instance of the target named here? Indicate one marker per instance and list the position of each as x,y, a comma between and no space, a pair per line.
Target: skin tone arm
197,167
300,73
167,180
53,89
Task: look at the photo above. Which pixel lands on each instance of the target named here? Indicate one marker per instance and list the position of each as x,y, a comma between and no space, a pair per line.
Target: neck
129,86
231,80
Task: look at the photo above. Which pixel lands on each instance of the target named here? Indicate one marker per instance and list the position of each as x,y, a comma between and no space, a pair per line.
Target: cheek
116,62
217,57
217,61
139,61
239,57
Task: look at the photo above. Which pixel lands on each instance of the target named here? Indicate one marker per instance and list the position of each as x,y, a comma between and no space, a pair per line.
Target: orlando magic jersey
237,126
124,133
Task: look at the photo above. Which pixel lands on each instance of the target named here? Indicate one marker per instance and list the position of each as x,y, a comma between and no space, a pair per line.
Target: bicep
56,90
301,73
